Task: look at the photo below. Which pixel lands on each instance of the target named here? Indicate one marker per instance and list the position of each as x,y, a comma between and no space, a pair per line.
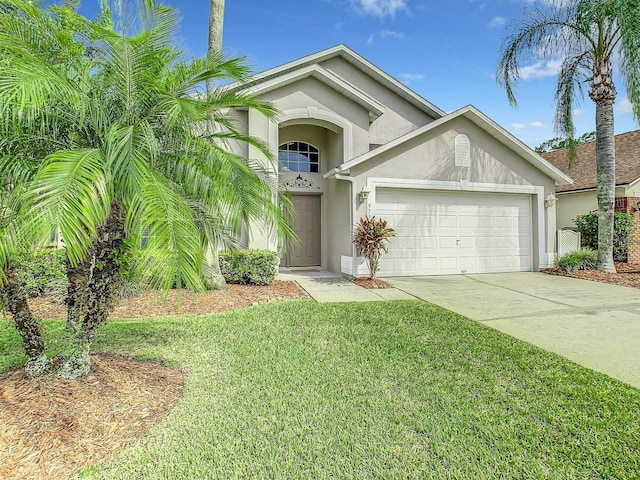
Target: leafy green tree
559,143
588,36
23,146
139,156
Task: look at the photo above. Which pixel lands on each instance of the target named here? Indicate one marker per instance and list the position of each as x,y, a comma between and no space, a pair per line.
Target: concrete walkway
325,286
594,324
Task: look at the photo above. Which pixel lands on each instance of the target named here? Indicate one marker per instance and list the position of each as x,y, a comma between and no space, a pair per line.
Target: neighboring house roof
482,121
280,76
583,171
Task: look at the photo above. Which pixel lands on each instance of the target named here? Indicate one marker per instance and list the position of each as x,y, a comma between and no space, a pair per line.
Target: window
299,157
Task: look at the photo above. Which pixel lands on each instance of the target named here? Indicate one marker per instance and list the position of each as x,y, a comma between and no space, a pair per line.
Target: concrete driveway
594,324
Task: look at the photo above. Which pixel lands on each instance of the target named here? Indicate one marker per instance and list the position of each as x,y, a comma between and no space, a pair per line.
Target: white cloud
497,22
624,106
407,78
384,34
522,126
380,8
547,68
578,111
391,33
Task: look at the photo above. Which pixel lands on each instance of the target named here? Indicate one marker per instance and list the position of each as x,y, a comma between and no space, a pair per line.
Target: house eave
353,58
356,95
485,123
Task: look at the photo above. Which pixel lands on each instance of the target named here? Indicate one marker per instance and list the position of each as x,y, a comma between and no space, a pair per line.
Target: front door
306,224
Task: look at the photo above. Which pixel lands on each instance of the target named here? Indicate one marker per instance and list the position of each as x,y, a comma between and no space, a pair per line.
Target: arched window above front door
299,157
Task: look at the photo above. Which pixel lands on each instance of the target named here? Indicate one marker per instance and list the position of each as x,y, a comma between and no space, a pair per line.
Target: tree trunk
603,93
605,162
27,326
213,278
216,20
97,297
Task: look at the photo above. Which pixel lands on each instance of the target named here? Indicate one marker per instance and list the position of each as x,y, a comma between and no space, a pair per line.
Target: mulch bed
366,282
184,303
627,275
52,428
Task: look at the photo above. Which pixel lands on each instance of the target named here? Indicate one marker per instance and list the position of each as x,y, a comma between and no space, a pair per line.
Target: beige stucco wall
338,231
431,157
400,116
310,92
570,205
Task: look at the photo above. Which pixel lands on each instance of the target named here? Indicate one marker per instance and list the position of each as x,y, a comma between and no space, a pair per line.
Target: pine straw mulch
627,275
375,283
153,304
52,428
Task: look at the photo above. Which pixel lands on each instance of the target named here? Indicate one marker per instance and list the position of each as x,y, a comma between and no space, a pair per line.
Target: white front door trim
543,258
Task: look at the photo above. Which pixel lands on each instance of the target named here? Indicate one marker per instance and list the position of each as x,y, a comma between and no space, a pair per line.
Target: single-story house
581,196
462,193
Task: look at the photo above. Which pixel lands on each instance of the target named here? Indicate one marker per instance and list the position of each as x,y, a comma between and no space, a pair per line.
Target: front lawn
367,390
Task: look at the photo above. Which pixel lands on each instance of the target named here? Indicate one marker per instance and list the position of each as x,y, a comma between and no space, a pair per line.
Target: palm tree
213,276
216,21
137,159
588,36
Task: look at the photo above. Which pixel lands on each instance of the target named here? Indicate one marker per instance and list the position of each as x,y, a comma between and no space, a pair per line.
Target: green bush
623,227
42,273
258,267
582,259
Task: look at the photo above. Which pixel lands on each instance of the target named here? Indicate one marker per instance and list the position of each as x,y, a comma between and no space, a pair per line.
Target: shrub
371,238
582,259
623,228
42,273
258,267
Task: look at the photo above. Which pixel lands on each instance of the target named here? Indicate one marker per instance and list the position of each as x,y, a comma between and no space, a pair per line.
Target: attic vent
463,157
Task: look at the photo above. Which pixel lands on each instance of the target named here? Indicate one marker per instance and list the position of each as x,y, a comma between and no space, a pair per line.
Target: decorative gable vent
463,151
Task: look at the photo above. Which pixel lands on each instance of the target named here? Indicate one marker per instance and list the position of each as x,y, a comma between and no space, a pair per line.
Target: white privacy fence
568,241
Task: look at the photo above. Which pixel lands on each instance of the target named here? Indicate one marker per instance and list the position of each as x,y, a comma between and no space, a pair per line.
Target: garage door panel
427,264
449,264
447,242
447,221
430,243
455,232
466,221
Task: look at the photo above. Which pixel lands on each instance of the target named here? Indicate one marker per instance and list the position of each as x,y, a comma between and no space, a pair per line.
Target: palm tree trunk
216,20
605,163
97,296
27,326
213,278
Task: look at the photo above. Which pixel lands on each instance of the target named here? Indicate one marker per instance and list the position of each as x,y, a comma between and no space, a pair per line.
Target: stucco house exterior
581,197
463,194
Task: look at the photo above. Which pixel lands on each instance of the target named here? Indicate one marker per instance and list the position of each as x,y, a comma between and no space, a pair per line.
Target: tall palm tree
216,21
589,36
213,275
137,158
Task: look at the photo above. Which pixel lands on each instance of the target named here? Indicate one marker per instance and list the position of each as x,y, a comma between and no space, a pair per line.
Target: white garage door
446,233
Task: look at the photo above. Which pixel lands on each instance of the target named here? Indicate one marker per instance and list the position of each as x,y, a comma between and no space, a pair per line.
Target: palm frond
70,192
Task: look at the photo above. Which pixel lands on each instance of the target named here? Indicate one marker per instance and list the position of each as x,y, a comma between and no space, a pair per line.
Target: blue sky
445,50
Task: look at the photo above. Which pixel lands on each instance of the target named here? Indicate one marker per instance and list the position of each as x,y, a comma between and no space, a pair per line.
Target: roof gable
282,74
333,81
482,121
584,172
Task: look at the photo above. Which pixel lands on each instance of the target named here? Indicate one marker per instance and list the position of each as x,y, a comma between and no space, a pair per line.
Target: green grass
367,390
